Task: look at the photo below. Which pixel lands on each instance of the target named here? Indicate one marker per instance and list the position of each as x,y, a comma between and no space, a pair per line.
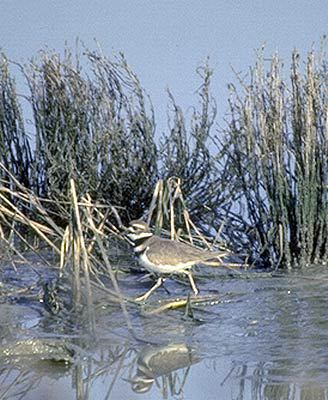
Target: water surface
267,338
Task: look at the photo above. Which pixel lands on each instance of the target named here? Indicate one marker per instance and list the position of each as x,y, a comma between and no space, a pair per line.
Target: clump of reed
96,124
186,149
277,151
80,249
15,151
97,128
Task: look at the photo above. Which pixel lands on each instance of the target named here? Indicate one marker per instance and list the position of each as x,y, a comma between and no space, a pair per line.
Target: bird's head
137,230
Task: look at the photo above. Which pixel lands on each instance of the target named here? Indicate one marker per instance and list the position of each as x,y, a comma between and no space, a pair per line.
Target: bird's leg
145,296
192,282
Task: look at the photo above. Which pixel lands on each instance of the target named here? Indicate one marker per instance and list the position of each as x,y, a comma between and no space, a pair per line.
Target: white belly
161,269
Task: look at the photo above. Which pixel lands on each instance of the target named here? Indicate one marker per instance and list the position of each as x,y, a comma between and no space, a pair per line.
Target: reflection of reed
25,376
258,383
16,384
26,362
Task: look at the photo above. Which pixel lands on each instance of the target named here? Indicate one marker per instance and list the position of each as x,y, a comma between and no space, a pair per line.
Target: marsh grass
276,144
95,123
80,249
15,151
97,128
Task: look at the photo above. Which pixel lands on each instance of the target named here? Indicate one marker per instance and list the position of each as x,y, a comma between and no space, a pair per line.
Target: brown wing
170,252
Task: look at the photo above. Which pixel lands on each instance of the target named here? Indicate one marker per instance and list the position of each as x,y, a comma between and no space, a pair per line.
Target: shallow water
266,339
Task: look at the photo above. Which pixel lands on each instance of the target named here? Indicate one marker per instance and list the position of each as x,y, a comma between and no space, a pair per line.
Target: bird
165,257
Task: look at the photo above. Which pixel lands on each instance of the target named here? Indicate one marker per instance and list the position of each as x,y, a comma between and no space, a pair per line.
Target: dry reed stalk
168,203
41,230
81,257
98,234
64,249
156,202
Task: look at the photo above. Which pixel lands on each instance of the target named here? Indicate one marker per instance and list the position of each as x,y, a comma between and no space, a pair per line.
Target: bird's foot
142,298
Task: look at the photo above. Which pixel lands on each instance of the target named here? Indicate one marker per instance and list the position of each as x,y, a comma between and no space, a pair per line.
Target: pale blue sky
165,41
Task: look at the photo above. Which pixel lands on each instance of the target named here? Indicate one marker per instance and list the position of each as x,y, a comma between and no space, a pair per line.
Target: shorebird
165,257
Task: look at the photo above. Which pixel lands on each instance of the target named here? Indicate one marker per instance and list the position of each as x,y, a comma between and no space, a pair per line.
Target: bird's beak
126,231
123,229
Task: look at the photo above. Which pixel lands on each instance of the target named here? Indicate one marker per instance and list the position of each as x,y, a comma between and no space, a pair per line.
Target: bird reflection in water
166,366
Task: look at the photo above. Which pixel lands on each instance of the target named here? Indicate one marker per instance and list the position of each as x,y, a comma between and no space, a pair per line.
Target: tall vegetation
260,182
97,128
277,147
15,153
96,124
